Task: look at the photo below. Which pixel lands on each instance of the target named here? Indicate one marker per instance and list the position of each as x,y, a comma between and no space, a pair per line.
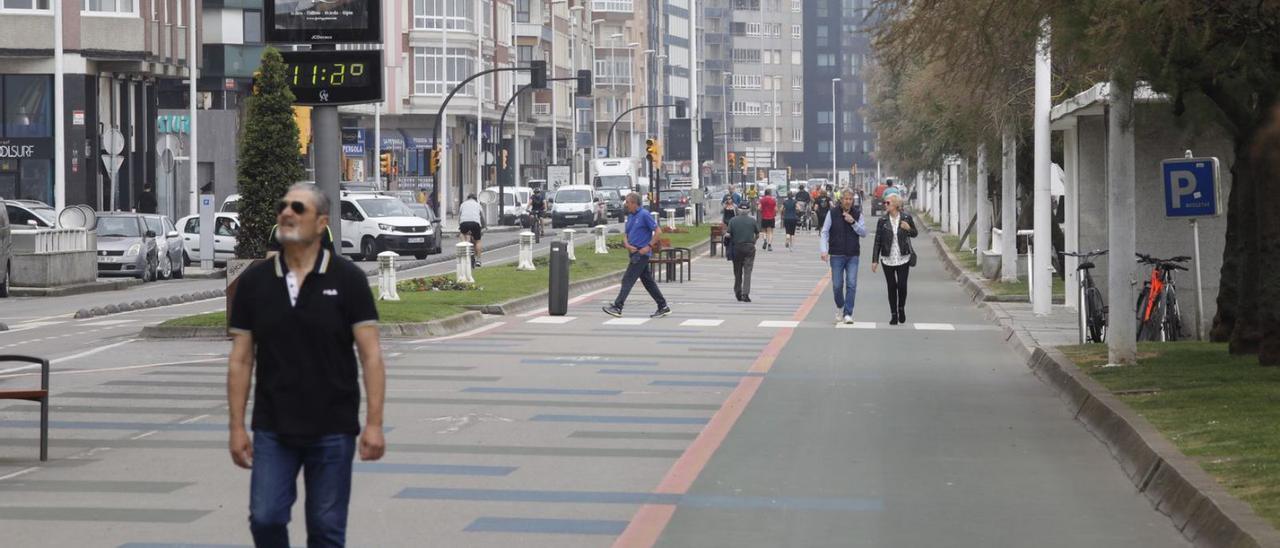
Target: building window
797,135
824,117
26,112
427,14
826,60
613,70
797,109
434,75
824,146
123,7
522,11
796,31
24,4
751,134
252,26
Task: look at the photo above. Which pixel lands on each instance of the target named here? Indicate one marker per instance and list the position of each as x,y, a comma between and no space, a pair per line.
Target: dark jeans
326,465
638,269
896,278
844,281
744,259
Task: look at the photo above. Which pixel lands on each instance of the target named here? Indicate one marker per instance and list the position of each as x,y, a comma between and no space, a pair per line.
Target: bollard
656,220
558,279
568,242
602,245
464,263
387,276
526,251
671,219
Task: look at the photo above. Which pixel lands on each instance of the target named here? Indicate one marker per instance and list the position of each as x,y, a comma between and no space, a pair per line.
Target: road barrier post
387,276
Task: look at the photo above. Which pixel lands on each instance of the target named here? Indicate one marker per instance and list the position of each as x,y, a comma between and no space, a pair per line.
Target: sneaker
613,311
848,318
764,246
661,313
746,299
839,316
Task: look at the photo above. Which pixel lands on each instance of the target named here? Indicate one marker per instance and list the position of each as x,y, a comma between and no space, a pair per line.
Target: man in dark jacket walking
840,245
743,233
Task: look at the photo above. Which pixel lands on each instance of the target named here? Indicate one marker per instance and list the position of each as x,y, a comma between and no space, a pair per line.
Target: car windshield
573,196
385,207
118,226
231,207
671,194
422,211
613,181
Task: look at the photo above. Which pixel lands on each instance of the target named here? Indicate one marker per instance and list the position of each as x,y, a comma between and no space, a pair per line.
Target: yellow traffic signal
504,158
651,149
435,160
733,159
742,162
384,161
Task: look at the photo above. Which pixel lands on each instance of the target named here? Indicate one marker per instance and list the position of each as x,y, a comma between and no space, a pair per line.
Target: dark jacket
884,238
844,240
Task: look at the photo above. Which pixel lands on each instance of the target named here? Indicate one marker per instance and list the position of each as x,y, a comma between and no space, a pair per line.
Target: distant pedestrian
637,236
894,232
147,201
841,245
471,225
790,218
729,204
300,317
823,205
743,233
768,217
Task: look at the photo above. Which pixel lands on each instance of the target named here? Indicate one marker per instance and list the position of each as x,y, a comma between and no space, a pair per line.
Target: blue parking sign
1191,187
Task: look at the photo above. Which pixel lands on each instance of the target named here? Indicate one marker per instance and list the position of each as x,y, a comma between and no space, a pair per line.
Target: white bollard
656,220
387,276
464,263
602,244
568,239
526,251
671,219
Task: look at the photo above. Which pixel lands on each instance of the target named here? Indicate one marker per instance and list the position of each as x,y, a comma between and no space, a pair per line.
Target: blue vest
842,240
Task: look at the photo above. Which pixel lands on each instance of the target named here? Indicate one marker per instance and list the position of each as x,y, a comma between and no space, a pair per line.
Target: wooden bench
717,237
40,396
675,259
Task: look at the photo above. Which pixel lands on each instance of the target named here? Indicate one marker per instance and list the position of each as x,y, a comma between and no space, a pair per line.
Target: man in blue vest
842,231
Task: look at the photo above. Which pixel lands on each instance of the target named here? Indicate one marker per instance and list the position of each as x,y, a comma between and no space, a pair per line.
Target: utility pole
1122,336
695,170
1042,277
1009,207
983,205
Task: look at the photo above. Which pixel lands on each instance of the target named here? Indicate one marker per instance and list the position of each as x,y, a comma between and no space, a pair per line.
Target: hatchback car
674,199
225,228
126,247
168,245
435,238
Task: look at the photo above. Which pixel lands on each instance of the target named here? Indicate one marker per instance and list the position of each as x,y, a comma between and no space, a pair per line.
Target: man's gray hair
634,197
318,197
847,192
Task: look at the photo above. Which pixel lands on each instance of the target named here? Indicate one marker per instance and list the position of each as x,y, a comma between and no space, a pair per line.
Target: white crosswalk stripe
857,325
701,323
935,327
556,320
627,321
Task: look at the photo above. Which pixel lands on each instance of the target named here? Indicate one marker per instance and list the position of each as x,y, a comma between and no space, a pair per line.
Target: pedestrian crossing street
761,324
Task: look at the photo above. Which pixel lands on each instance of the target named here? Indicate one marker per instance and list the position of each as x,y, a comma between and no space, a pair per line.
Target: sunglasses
297,207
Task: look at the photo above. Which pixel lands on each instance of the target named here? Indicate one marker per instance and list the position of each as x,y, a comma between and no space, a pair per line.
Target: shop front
26,137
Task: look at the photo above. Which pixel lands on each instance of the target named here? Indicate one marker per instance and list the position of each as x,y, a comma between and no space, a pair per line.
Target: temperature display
334,77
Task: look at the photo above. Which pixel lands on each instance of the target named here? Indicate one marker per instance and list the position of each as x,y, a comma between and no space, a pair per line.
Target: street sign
113,141
557,176
602,152
1192,187
778,178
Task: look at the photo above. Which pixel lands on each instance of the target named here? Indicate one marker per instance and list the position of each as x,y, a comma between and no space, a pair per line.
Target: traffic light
680,110
384,161
584,83
742,162
504,158
538,73
733,159
434,164
651,150
789,174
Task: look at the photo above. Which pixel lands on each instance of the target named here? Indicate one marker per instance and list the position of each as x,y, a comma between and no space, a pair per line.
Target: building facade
621,31
116,56
767,79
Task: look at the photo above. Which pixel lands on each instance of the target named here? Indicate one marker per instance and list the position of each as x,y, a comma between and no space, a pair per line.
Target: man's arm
372,443
239,371
824,242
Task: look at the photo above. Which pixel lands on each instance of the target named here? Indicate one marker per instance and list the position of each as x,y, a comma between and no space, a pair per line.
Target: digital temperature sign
334,77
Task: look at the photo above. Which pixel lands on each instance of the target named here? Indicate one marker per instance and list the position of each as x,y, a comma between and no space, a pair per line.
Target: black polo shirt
307,380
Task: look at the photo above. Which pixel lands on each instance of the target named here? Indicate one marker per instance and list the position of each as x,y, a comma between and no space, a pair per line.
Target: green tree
269,157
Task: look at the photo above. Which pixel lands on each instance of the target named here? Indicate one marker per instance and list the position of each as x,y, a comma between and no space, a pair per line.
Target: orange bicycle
1159,318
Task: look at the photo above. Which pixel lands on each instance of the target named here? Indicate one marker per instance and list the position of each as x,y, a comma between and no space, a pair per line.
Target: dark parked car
613,204
6,250
674,199
126,247
435,238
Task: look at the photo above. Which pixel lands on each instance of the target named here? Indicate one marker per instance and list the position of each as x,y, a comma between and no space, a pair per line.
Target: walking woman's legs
891,282
903,271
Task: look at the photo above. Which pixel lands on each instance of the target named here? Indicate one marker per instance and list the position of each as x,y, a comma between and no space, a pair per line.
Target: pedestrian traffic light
538,73
384,161
584,83
789,174
680,110
434,165
742,162
504,158
733,159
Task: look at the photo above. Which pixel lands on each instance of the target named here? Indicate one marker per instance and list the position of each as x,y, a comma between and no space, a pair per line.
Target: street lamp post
595,74
575,53
648,84
835,145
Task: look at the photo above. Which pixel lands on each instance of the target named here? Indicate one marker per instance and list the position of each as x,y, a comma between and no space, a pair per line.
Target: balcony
613,6
533,30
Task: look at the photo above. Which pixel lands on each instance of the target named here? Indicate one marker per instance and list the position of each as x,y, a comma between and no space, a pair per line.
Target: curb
148,303
78,289
444,326
1175,485
976,289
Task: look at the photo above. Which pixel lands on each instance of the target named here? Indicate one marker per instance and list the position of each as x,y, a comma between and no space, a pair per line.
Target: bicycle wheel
1172,316
1095,317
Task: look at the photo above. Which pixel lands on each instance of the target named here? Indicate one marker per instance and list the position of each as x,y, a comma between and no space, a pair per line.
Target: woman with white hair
893,249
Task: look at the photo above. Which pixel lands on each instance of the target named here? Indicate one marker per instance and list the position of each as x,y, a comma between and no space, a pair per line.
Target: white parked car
573,204
226,227
373,223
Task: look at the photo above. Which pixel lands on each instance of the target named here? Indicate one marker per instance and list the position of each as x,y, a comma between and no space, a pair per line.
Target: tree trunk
1233,257
1245,335
1267,211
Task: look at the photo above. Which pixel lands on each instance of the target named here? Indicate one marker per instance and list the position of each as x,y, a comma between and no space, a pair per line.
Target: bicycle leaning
1093,311
1158,315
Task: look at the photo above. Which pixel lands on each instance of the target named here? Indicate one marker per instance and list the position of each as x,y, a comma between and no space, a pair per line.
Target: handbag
727,242
912,261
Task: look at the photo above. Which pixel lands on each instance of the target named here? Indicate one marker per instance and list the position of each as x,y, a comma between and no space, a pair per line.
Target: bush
434,283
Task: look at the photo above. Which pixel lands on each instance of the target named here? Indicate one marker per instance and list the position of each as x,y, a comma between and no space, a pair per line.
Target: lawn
1220,410
495,284
969,262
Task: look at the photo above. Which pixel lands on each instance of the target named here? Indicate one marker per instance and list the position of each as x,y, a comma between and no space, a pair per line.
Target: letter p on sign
1183,184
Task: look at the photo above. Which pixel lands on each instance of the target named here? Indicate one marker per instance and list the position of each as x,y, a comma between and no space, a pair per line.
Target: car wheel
368,249
178,273
186,259
164,269
420,255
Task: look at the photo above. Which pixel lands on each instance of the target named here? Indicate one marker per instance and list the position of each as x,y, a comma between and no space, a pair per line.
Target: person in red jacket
768,218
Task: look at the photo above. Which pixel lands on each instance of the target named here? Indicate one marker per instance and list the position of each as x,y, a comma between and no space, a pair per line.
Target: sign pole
1195,235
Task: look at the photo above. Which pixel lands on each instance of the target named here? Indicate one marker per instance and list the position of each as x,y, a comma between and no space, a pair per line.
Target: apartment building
621,30
116,53
558,32
716,27
768,80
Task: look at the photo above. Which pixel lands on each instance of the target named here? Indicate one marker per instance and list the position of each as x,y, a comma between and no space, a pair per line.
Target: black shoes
902,315
745,299
893,320
613,311
661,313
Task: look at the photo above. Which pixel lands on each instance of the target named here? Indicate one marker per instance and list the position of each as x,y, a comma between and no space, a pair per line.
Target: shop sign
173,123
20,148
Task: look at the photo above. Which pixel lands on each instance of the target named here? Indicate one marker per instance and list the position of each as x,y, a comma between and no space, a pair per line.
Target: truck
617,174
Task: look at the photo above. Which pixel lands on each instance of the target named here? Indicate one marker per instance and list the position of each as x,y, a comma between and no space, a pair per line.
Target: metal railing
622,6
52,240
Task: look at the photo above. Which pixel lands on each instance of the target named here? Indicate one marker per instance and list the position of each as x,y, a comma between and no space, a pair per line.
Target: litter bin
558,279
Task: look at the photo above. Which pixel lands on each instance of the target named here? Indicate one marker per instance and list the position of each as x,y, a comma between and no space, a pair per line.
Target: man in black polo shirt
297,316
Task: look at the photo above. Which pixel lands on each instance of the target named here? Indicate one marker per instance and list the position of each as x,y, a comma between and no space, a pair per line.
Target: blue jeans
638,269
326,465
844,281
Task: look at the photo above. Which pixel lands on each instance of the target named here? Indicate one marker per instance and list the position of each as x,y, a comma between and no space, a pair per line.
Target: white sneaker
848,319
840,316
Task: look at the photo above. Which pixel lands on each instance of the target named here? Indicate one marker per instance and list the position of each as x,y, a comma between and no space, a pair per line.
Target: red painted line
651,520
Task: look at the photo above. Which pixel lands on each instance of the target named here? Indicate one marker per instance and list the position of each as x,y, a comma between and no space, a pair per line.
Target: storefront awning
418,138
392,140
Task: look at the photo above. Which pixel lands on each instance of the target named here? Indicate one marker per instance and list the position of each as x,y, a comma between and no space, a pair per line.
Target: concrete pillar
1122,348
1042,281
953,197
1071,210
1009,207
982,205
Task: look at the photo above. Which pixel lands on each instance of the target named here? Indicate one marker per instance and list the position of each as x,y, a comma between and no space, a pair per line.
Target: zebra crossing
759,324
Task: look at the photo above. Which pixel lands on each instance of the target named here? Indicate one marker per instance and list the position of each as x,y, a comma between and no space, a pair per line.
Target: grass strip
495,284
1220,410
969,262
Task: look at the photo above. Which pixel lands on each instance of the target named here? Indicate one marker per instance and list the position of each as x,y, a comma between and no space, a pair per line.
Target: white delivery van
573,205
614,174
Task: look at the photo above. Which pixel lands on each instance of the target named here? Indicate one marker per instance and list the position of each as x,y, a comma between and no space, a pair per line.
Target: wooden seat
677,260
27,394
717,237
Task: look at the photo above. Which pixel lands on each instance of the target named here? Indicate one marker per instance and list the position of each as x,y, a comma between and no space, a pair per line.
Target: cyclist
471,224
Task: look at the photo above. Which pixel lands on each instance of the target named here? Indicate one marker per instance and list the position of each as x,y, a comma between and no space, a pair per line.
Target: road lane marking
780,323
193,419
627,321
19,473
701,323
557,320
110,369
934,327
475,331
857,325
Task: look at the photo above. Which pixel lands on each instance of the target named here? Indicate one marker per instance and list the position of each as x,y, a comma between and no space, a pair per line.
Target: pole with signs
1192,190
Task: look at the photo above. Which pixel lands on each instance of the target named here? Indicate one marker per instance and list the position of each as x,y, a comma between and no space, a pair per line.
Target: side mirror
171,234
151,234
32,222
